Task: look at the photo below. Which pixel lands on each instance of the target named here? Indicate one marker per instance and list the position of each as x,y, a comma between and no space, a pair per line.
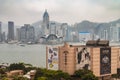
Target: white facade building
52,28
84,36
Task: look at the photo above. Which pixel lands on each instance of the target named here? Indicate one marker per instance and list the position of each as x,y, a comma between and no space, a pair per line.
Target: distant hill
114,22
87,26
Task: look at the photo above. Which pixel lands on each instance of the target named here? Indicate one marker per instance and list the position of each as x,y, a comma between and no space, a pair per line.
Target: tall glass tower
46,22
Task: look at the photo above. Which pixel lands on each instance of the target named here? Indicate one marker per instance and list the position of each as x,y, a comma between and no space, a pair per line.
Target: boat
22,45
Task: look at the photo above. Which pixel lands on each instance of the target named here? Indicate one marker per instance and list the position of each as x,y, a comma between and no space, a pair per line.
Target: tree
3,75
115,76
89,77
40,73
51,74
42,78
2,71
85,74
81,72
20,78
5,78
17,66
59,74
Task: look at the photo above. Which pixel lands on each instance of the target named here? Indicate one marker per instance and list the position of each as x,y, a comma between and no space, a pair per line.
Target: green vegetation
21,66
3,74
41,78
19,78
4,78
85,74
116,76
44,74
17,66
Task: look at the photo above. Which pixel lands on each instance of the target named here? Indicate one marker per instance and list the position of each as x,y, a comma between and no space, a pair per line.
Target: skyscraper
27,33
105,35
23,35
52,28
31,34
46,22
10,30
116,33
0,31
111,33
3,37
64,27
18,34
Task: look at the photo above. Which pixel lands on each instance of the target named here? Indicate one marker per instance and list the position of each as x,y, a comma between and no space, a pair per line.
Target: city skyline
30,11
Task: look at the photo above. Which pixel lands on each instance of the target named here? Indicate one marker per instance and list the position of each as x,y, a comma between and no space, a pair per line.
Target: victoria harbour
32,54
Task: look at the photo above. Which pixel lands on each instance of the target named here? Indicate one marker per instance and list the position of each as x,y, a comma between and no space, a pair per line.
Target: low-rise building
15,72
30,75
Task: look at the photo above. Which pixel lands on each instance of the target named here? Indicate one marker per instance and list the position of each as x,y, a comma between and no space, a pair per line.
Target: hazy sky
70,11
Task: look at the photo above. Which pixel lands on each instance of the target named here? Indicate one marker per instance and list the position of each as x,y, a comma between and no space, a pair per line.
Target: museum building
96,56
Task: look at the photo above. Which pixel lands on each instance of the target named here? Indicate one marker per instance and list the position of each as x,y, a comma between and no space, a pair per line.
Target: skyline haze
69,11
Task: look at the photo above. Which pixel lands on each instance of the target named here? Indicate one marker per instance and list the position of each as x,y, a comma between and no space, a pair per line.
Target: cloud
29,11
109,4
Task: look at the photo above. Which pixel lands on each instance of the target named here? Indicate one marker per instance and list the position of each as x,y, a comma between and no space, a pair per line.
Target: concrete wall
67,59
118,59
114,58
95,66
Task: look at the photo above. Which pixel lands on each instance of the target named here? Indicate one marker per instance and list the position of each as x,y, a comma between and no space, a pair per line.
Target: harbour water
32,54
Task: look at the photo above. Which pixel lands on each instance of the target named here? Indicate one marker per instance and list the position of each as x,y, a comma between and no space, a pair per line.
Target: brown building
15,73
99,57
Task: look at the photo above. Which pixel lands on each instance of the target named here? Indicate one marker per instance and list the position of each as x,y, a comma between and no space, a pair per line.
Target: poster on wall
83,58
52,58
105,61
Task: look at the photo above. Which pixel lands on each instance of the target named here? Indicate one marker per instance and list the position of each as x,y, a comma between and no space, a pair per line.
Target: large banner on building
52,56
105,61
83,58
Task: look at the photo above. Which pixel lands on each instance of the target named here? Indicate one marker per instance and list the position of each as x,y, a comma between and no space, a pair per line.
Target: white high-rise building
116,35
64,28
52,28
118,25
111,33
84,36
105,34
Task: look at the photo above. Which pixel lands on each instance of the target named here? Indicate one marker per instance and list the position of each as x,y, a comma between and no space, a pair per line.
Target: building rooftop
97,43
